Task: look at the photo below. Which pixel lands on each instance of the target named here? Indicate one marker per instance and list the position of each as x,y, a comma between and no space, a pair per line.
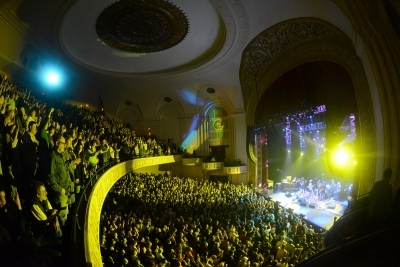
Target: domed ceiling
183,33
143,51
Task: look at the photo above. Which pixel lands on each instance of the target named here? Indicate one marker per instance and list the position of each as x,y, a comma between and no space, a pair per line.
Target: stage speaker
288,194
331,206
302,201
313,205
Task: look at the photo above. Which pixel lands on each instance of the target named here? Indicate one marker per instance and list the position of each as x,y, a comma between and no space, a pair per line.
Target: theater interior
299,100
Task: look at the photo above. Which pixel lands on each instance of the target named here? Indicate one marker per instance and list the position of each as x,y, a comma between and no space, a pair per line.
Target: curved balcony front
192,161
235,170
212,166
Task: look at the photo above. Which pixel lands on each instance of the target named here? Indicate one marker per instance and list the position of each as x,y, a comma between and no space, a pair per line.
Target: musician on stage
321,191
302,185
311,188
338,189
328,189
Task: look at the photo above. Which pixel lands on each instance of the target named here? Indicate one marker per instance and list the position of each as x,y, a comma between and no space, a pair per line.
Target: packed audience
155,220
48,150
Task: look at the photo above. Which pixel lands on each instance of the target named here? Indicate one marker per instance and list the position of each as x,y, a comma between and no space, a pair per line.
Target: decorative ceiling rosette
138,26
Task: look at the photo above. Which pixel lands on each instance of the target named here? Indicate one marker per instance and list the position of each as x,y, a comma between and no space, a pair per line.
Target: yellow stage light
342,156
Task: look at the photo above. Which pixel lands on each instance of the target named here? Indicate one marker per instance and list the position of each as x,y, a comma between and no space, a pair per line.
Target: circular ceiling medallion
138,26
210,90
167,99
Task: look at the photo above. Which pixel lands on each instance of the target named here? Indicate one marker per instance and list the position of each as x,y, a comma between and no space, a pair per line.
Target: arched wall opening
307,116
292,43
170,126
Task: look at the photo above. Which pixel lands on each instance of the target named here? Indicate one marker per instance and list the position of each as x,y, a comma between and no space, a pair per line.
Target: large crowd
49,148
156,220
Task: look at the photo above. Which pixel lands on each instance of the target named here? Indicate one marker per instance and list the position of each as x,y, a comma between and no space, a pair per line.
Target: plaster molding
235,18
279,39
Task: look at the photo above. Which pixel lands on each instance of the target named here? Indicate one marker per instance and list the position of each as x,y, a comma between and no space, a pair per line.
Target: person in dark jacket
61,186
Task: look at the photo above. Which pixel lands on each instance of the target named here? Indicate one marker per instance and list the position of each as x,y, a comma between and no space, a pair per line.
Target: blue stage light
53,78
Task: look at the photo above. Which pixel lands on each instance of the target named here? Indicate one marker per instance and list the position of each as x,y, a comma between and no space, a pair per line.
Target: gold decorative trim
251,144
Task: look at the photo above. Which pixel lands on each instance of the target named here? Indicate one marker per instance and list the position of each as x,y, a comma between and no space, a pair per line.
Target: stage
319,212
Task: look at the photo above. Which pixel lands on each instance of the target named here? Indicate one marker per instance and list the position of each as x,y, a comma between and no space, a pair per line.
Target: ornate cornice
276,40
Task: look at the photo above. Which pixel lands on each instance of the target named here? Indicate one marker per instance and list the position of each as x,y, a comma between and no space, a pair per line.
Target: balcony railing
99,187
192,161
235,170
211,166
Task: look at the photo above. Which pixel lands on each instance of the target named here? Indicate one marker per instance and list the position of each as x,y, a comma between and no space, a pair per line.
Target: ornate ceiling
142,27
145,51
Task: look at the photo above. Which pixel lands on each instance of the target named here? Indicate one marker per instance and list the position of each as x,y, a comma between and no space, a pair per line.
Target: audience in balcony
61,186
19,246
46,142
45,218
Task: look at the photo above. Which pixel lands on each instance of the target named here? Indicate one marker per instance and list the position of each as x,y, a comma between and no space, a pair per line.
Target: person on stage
303,185
321,191
311,188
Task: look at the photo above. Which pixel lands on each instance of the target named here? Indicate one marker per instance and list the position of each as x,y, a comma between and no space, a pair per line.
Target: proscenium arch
328,44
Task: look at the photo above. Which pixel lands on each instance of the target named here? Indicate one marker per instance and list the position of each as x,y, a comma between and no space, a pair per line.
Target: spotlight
301,153
341,156
52,78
